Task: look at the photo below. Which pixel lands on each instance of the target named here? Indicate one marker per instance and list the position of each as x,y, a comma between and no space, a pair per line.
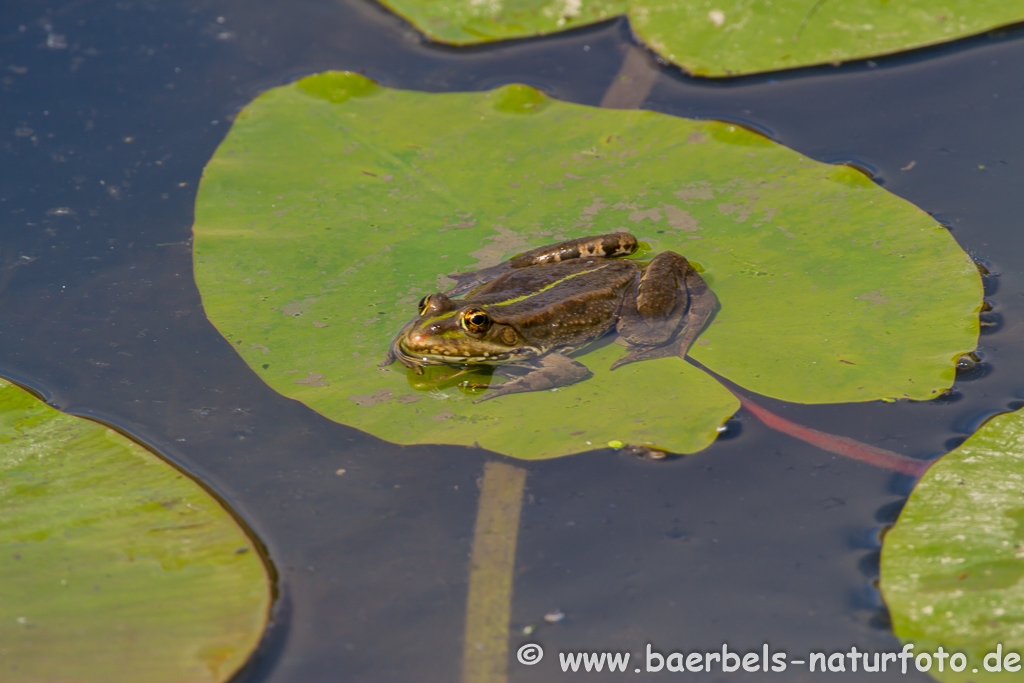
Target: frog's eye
475,321
422,305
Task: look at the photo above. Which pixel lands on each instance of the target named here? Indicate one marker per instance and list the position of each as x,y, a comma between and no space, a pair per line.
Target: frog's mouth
417,359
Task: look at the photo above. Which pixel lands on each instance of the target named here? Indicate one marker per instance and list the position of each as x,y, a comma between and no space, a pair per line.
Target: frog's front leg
547,372
666,311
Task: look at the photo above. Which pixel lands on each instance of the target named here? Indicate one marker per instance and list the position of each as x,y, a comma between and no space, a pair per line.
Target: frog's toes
639,353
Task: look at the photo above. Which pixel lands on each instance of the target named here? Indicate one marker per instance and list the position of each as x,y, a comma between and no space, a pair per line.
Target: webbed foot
547,372
638,353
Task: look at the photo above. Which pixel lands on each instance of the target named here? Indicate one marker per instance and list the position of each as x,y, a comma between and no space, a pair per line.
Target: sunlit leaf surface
334,205
476,21
952,566
734,37
726,37
113,565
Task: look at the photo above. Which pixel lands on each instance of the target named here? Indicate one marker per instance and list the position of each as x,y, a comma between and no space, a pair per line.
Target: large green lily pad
333,205
953,563
113,565
725,37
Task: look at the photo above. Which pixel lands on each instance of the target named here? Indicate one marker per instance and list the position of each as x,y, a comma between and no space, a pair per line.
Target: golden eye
475,321
422,305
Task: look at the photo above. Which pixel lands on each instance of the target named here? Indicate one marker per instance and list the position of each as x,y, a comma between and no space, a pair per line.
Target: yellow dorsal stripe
545,288
524,296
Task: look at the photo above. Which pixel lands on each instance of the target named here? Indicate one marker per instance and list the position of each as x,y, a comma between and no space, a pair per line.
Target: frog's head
452,332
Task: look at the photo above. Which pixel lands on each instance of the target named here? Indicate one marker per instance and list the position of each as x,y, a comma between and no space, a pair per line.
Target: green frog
526,315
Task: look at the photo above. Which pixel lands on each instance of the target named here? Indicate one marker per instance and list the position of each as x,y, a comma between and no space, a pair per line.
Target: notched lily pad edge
645,449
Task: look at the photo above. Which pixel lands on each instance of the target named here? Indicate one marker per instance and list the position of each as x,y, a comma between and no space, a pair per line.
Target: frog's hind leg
654,309
702,305
610,245
667,311
547,372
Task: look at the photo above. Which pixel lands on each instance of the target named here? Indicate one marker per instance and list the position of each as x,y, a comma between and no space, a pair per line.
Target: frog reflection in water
525,315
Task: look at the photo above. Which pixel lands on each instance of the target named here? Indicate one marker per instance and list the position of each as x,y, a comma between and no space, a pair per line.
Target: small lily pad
464,22
725,37
325,215
113,565
953,563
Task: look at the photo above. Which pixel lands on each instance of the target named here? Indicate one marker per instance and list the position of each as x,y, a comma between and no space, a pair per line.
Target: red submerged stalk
851,448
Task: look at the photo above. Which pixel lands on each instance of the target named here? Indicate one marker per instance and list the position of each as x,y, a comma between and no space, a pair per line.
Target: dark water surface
111,109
